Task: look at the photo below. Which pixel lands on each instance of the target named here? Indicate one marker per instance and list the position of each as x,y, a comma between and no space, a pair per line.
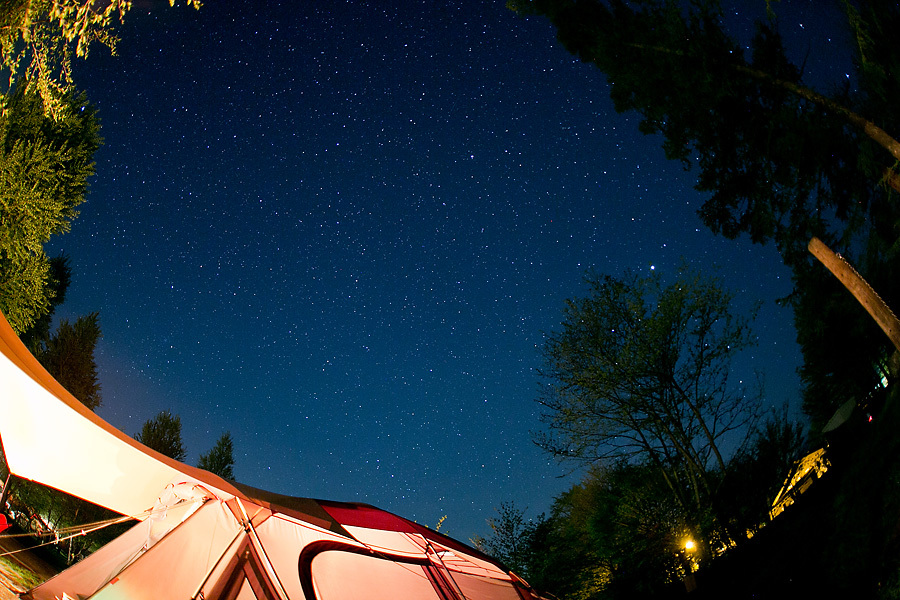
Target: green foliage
220,459
576,558
617,534
35,336
640,371
163,434
39,37
645,544
19,576
69,357
44,166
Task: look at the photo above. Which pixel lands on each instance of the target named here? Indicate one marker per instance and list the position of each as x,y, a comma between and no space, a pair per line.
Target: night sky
339,230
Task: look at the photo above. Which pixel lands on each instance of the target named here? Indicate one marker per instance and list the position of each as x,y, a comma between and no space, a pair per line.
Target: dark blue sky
340,229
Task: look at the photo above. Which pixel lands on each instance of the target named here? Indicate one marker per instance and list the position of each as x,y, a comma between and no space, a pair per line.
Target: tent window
331,571
484,588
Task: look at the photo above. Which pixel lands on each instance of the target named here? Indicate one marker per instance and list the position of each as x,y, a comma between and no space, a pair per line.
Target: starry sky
340,231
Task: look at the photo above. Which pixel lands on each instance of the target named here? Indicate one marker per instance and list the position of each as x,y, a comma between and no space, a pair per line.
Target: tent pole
262,552
430,551
5,493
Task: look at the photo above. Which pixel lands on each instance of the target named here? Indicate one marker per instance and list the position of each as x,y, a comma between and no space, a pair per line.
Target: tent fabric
211,554
177,565
305,509
244,577
362,515
89,575
204,537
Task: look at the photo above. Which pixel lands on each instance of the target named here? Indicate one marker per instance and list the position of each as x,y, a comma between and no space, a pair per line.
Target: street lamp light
690,582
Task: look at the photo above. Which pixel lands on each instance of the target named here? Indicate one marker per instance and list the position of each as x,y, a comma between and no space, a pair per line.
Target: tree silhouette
163,434
220,459
69,357
639,371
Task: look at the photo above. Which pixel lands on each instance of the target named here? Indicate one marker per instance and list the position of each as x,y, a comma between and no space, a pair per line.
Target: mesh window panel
348,576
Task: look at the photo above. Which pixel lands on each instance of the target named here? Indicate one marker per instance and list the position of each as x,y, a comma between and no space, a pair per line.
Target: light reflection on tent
200,536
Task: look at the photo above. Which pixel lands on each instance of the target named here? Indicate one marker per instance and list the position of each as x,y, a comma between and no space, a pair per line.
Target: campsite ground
8,589
21,570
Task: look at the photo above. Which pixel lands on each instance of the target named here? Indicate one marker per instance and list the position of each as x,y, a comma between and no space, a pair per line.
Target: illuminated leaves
44,166
39,37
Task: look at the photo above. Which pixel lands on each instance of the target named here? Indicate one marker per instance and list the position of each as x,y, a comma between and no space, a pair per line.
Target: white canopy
52,438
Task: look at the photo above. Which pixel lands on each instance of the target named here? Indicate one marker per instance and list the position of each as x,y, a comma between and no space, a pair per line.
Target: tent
201,537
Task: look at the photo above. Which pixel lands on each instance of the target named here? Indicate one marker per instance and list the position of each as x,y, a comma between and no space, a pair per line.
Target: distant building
805,471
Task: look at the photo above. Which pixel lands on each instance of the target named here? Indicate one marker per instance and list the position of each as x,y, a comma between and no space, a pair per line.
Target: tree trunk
860,289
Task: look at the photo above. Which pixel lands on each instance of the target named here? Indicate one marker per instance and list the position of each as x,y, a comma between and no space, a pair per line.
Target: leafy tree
645,537
549,565
639,371
69,357
511,538
779,160
44,166
575,549
617,533
37,39
220,459
163,434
